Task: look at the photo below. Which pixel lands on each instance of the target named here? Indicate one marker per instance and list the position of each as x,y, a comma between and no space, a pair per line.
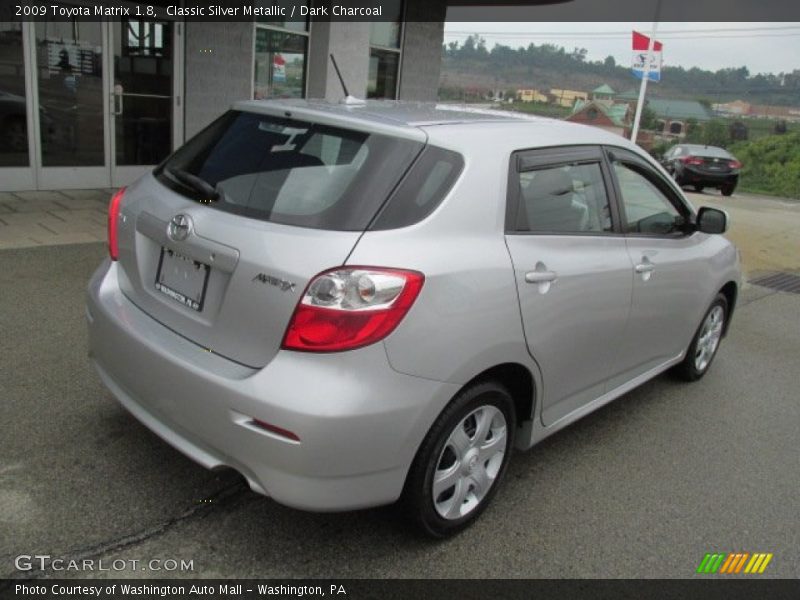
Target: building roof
604,89
615,112
679,109
630,94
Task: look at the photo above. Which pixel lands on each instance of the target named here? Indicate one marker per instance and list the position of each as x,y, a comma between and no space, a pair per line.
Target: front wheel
460,463
706,341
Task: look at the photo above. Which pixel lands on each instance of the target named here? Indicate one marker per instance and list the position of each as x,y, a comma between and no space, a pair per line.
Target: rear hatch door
219,243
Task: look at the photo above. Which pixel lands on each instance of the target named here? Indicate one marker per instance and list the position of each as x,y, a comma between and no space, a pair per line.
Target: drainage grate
783,282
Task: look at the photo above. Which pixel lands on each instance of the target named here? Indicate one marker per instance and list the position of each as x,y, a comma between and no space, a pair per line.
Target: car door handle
644,267
540,276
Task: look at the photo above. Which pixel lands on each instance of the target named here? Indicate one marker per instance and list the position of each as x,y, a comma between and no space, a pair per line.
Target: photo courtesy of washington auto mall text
167,589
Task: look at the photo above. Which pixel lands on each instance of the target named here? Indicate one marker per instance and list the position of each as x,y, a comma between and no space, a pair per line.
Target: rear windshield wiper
195,182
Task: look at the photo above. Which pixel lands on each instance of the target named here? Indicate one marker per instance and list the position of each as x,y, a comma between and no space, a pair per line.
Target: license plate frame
182,278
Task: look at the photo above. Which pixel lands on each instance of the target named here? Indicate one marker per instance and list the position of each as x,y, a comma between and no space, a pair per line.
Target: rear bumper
359,421
689,176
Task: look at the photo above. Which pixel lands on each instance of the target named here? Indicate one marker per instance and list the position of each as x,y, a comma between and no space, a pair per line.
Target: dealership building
94,104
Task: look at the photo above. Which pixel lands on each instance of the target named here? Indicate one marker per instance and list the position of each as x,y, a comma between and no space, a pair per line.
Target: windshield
287,171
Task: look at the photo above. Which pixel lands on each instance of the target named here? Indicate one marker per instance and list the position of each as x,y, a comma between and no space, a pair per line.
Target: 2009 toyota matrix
352,304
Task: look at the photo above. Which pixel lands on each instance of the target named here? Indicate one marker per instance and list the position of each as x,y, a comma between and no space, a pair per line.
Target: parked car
355,304
702,167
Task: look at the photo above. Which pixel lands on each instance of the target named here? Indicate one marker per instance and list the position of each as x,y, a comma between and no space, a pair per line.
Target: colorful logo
734,563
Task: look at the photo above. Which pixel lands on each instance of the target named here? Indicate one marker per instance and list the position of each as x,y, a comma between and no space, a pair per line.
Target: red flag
641,41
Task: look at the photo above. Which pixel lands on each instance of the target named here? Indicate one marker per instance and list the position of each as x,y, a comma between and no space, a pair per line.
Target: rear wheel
727,189
461,461
706,341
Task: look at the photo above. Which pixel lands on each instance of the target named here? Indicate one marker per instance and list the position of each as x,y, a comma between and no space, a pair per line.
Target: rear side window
422,189
288,171
563,199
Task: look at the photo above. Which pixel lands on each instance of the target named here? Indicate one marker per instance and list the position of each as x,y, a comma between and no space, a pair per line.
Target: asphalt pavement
642,488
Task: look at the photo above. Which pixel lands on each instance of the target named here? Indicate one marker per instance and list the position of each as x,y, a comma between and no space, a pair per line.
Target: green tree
648,119
694,133
771,165
715,133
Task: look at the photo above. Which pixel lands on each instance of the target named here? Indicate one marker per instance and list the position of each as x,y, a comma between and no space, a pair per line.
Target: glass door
16,163
88,104
145,105
72,121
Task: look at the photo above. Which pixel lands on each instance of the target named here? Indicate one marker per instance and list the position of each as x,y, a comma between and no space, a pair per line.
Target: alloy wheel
710,335
469,462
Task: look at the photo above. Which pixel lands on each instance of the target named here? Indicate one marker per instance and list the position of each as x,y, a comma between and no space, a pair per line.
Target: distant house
630,95
601,113
531,96
787,113
673,114
567,97
604,92
737,108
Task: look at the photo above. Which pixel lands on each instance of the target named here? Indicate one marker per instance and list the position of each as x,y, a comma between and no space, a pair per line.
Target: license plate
182,278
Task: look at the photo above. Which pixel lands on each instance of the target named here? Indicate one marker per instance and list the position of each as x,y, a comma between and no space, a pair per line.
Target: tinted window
647,209
710,151
288,171
422,190
567,199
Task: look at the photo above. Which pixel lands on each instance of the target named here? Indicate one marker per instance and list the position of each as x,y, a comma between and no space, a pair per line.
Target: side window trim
614,154
523,160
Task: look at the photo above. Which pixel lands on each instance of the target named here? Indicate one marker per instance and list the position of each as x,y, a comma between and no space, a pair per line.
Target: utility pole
645,76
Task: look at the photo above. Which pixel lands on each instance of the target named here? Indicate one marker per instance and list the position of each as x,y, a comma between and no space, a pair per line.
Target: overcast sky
761,47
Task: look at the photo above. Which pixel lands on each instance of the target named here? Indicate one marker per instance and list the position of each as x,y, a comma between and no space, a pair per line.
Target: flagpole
645,76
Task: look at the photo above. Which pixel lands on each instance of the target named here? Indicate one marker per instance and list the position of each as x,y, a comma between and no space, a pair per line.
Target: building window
384,52
281,57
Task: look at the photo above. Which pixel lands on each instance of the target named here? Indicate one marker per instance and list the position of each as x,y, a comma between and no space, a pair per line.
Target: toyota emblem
179,227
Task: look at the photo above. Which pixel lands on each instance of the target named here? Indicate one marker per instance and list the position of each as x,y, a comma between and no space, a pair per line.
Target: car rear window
711,151
289,171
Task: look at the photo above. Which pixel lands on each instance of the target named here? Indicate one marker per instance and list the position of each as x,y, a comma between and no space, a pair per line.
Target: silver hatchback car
355,304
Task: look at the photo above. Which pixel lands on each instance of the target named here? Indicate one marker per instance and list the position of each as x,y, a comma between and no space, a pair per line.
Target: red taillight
735,164
692,160
351,307
113,223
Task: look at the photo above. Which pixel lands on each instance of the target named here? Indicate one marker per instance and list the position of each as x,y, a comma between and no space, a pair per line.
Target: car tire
699,188
706,341
727,190
459,453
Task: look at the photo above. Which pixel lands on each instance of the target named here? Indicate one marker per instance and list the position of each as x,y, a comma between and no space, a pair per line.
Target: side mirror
712,220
